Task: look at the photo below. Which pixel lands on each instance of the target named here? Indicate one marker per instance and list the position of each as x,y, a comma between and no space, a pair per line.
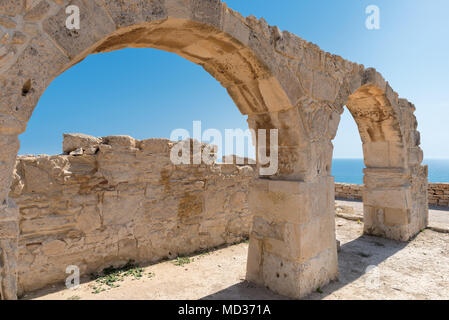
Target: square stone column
292,248
9,235
395,203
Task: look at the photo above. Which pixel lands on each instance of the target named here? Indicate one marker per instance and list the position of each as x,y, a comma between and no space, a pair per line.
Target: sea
351,170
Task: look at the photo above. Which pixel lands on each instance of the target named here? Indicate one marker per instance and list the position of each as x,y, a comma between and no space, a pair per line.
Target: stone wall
113,199
438,193
348,191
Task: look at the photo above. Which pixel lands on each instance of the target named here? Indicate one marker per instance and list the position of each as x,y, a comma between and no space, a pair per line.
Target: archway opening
347,169
109,198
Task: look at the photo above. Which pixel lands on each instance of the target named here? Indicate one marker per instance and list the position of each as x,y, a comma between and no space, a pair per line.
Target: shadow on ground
355,257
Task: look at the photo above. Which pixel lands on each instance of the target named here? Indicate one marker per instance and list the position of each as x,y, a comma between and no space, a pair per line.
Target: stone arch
395,191
276,78
232,49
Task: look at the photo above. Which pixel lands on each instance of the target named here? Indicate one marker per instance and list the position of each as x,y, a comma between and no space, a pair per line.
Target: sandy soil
415,270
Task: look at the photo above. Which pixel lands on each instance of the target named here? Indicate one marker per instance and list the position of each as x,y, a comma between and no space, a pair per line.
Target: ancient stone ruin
116,199
277,79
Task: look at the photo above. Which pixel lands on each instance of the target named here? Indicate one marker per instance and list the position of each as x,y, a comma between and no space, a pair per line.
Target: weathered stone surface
348,191
11,8
7,22
438,193
38,12
9,232
292,236
130,196
95,21
131,12
74,141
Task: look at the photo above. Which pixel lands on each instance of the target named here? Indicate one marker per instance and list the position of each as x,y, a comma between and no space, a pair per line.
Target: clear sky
148,93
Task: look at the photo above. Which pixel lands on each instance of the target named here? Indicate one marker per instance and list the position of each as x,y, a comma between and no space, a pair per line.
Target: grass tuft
111,277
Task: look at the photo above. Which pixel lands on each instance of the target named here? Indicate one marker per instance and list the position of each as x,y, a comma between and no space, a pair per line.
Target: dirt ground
415,270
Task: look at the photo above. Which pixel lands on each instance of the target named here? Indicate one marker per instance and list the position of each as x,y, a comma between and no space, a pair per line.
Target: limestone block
313,57
313,238
9,146
293,226
255,259
269,205
375,154
9,212
74,141
393,223
297,280
244,99
386,178
234,24
290,45
324,87
89,219
371,76
8,268
114,209
179,9
9,229
290,84
81,203
415,156
393,198
155,145
127,249
38,12
48,224
281,276
28,78
396,217
132,12
209,12
274,96
120,141
95,24
238,200
53,247
7,22
11,8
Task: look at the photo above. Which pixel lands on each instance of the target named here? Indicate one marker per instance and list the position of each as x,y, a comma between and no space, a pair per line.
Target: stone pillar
394,203
292,248
9,218
9,235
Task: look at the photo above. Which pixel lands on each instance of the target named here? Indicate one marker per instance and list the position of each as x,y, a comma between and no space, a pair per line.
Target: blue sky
148,93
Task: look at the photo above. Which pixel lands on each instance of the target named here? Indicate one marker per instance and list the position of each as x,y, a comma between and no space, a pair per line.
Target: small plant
136,272
319,290
74,298
181,261
110,277
98,290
